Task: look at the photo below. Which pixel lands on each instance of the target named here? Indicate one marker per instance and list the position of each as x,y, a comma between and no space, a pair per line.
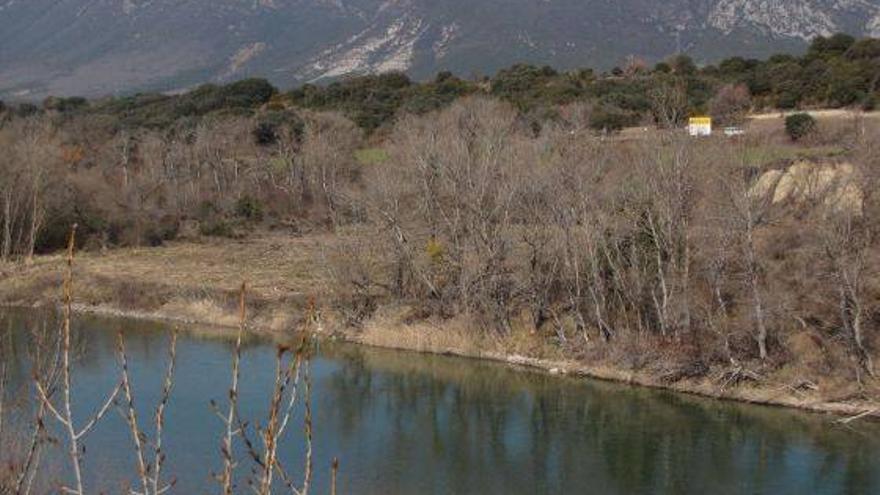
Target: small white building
700,126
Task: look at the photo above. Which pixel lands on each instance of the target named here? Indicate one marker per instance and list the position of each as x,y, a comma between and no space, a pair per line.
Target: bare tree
26,170
731,104
669,102
748,212
847,247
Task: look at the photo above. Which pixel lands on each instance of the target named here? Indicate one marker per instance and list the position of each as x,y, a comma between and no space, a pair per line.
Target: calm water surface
404,423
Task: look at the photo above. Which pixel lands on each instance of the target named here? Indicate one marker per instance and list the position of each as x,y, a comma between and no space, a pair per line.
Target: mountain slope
93,47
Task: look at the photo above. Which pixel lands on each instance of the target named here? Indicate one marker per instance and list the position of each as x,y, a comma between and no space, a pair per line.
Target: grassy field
188,281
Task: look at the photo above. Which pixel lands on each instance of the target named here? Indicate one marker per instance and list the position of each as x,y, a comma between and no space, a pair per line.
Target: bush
609,119
248,93
265,134
249,207
217,228
799,125
271,126
370,101
65,105
26,110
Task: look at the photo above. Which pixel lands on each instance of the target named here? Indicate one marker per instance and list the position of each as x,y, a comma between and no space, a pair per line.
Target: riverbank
196,283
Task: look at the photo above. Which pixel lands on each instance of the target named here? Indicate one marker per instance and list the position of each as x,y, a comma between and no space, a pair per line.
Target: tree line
835,71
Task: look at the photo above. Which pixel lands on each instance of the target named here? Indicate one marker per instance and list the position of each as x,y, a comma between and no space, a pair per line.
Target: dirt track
818,114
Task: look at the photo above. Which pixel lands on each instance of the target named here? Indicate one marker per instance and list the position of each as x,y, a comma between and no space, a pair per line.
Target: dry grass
830,122
280,266
183,281
392,328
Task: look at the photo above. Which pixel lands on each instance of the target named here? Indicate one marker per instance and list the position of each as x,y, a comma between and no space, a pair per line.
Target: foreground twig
307,475
230,419
278,418
64,415
49,377
149,471
167,386
131,416
281,407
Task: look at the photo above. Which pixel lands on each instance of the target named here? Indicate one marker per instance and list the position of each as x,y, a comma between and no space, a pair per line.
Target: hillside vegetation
49,47
836,71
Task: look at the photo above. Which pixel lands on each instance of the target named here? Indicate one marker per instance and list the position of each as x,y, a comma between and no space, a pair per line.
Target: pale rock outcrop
834,186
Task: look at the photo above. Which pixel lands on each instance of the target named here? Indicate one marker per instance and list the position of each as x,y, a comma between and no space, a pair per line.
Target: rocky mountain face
97,47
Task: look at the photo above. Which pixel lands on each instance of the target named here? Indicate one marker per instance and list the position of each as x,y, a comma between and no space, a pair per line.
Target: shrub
370,101
272,126
609,119
248,93
832,46
64,105
799,125
663,68
249,207
208,210
217,228
265,134
26,110
788,98
528,86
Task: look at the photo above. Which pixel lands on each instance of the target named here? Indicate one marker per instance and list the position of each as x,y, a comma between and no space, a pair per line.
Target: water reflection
412,424
493,430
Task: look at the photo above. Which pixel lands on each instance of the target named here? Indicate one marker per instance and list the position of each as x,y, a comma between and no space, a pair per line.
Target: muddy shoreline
774,395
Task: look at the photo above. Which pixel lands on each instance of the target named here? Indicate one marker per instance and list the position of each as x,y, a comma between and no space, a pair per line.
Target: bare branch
226,478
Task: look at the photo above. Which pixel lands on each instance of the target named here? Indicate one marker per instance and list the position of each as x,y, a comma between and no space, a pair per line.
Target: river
406,423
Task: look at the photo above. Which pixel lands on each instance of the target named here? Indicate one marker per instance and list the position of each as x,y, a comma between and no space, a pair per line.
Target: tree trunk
7,226
853,315
36,220
754,284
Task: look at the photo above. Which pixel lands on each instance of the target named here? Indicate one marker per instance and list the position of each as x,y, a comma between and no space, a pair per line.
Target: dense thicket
662,250
220,174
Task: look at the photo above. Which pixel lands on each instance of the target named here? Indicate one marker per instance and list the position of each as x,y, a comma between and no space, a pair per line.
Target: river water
405,423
